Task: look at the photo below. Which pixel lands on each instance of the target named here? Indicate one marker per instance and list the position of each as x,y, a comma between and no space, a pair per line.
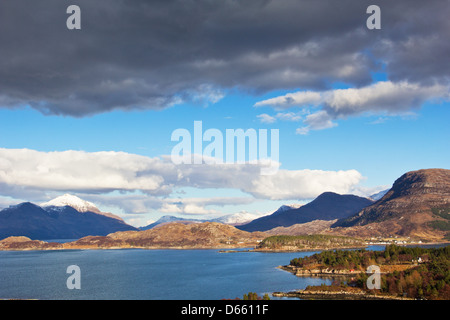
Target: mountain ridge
327,206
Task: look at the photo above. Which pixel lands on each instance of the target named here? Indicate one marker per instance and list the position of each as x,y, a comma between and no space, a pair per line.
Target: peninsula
406,273
173,235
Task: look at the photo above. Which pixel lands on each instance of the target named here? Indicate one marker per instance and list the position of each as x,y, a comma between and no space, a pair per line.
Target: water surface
146,274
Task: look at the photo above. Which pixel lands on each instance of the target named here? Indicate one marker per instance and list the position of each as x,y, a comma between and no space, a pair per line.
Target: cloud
158,54
24,171
304,184
385,98
139,204
265,118
283,116
317,121
304,98
288,116
83,172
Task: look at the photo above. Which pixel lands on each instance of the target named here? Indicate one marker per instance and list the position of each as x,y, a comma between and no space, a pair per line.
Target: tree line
428,277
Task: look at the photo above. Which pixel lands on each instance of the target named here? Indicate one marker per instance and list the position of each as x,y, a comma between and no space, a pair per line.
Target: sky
92,111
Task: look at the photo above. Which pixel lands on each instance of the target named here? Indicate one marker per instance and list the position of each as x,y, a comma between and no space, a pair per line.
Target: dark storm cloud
153,54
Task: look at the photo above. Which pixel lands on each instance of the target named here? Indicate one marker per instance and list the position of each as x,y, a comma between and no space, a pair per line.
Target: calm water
146,274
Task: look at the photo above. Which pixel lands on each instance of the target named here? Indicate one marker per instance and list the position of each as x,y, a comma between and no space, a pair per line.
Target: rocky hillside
417,205
308,228
308,242
172,235
25,243
199,235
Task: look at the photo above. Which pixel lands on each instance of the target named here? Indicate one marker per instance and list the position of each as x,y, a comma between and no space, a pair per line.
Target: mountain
307,228
230,219
377,196
71,201
327,206
237,219
78,204
417,205
169,219
286,207
56,222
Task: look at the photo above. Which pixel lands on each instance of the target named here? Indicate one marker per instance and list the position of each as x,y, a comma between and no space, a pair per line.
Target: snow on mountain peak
287,207
72,201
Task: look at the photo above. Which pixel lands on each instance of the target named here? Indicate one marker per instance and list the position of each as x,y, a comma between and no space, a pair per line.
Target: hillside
327,206
307,228
417,205
171,235
197,235
308,242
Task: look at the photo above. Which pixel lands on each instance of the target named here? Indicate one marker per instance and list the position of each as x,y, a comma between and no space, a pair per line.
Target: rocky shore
336,295
307,249
318,272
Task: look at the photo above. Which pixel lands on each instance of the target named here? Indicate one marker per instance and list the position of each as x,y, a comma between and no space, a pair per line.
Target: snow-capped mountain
72,201
168,219
287,207
379,195
237,218
59,219
76,203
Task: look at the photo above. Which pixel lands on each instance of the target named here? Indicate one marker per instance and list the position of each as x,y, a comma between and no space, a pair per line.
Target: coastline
23,244
309,249
352,292
336,295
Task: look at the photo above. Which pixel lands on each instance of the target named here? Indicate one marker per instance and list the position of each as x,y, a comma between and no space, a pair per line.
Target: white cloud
139,204
283,116
304,184
317,121
83,171
265,118
302,98
288,116
29,171
382,98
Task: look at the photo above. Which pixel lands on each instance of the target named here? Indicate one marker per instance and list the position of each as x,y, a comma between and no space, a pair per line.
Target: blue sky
355,108
394,144
380,147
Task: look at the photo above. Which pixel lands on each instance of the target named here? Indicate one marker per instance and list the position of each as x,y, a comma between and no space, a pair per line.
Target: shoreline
300,272
38,245
311,249
336,295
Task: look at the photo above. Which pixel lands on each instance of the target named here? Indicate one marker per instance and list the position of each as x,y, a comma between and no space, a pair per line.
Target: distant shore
25,244
21,243
336,295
